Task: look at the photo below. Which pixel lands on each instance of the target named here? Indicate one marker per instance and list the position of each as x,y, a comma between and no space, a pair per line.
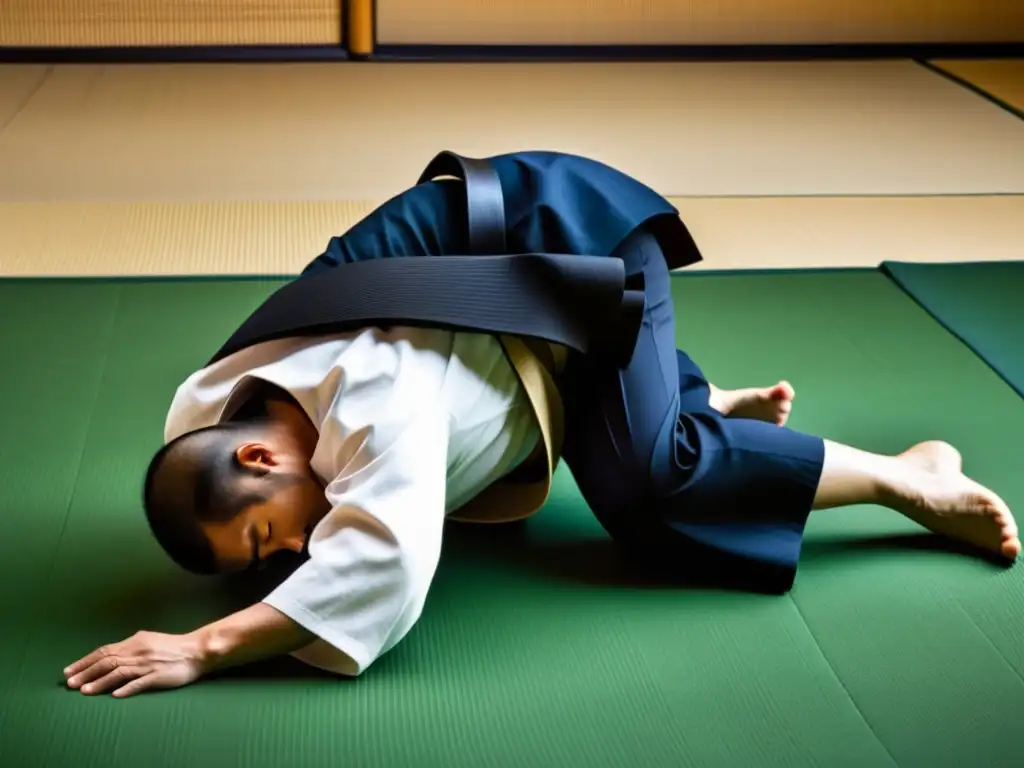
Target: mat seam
1017,673
78,472
884,269
28,99
966,84
839,680
271,277
641,659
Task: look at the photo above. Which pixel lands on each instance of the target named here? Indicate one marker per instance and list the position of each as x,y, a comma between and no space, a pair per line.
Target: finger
115,679
150,682
104,666
135,643
87,661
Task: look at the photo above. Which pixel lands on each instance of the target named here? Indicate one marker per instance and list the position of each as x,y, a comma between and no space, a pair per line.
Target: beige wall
697,21
169,22
255,22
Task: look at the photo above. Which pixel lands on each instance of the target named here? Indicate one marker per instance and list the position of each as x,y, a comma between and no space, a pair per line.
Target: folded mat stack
537,647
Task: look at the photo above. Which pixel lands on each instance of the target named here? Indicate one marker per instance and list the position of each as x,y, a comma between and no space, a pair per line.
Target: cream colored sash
507,501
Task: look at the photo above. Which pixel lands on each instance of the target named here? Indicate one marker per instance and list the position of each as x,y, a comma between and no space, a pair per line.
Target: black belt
581,303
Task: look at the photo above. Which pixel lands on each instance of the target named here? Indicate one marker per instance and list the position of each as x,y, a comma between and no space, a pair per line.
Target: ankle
895,486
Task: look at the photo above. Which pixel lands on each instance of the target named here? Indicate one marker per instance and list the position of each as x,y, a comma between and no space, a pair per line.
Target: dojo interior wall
523,22
696,22
112,23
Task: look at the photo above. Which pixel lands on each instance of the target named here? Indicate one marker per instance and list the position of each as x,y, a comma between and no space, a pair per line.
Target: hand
145,661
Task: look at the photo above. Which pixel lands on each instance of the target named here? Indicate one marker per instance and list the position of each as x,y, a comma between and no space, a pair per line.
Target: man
356,446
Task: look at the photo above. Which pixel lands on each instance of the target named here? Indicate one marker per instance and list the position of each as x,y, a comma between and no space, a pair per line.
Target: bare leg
771,404
926,483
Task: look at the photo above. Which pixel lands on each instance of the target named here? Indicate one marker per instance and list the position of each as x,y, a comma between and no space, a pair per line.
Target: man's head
223,498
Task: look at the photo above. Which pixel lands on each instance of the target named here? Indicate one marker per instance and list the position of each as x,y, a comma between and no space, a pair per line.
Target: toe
1011,548
782,391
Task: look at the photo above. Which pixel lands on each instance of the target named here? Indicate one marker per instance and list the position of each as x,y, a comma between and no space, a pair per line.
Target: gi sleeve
373,557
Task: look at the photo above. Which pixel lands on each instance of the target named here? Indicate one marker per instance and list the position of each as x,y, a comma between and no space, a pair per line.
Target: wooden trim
448,53
360,16
498,53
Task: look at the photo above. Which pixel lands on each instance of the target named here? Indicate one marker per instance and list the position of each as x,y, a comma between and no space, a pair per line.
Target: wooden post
359,23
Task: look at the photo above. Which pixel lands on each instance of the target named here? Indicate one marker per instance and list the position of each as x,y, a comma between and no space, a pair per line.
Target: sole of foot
936,494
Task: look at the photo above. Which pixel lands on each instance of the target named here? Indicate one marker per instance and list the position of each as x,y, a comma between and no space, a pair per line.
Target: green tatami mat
537,648
981,303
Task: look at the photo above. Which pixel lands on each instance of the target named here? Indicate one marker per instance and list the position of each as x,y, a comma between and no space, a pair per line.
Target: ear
256,456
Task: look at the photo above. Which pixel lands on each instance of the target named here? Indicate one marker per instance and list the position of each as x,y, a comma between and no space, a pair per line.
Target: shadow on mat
597,561
836,550
524,550
601,562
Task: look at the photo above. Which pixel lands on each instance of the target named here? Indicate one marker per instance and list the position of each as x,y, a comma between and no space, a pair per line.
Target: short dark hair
194,479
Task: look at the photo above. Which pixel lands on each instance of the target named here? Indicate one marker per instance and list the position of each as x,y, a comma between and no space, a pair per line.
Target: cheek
313,491
302,503
228,550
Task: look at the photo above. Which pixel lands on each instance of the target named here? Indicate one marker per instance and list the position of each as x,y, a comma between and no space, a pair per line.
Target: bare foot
936,494
771,404
935,456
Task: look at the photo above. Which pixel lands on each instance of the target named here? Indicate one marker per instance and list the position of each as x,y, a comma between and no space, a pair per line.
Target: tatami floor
539,646
169,169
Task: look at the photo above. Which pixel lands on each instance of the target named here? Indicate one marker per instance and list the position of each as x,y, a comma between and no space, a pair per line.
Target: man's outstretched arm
153,661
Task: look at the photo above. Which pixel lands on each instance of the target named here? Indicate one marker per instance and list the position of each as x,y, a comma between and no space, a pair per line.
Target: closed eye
254,540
